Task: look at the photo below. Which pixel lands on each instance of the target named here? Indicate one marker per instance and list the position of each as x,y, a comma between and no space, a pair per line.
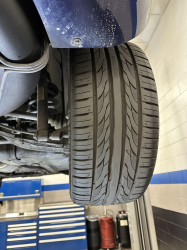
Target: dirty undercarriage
33,96
24,146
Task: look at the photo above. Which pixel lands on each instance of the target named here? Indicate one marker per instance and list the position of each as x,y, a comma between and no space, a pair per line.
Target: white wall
167,52
157,9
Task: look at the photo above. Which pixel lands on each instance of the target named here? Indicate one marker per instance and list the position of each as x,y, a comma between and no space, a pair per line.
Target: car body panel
92,23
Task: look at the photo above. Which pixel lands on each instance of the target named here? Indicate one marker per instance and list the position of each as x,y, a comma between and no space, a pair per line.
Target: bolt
21,141
77,42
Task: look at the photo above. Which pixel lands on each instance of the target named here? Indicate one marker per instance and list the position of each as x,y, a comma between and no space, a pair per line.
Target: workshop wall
55,189
167,52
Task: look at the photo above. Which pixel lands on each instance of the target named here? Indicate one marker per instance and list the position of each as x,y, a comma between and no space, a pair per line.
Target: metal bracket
58,134
42,108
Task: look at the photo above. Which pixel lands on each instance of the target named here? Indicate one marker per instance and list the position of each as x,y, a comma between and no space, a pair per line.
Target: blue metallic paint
97,23
65,245
134,17
68,245
20,187
61,229
63,217
55,187
5,225
3,235
23,242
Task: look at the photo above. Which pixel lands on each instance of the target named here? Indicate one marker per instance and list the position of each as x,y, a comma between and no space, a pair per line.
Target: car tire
114,125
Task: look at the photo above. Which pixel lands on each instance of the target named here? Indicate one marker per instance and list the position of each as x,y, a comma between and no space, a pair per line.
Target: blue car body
92,23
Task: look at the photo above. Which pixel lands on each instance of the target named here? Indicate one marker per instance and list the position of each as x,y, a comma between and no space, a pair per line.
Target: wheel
114,125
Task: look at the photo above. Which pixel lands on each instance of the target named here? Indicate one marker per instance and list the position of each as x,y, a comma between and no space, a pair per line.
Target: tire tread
92,139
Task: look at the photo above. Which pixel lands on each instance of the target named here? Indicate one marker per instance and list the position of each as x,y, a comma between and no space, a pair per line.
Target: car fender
93,23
